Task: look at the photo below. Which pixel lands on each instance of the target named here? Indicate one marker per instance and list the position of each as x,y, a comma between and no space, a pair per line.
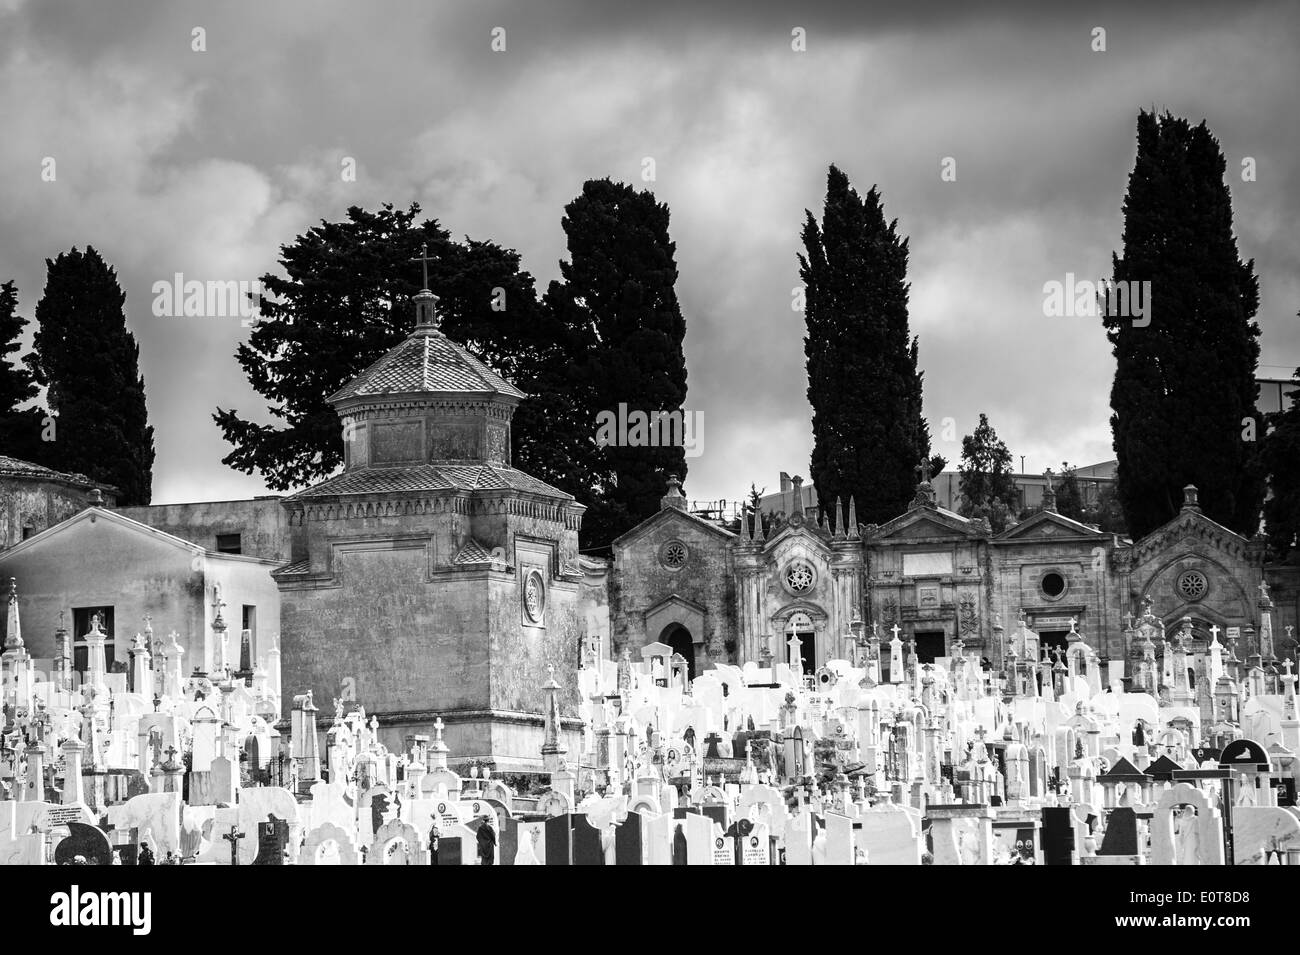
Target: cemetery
878,759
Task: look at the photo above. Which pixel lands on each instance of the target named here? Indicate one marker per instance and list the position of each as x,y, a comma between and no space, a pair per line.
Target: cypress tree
20,430
988,489
1281,454
89,363
869,436
1184,390
618,301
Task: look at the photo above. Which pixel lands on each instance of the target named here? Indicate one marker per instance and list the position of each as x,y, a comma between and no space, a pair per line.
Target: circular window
534,597
673,555
1193,585
799,578
1053,585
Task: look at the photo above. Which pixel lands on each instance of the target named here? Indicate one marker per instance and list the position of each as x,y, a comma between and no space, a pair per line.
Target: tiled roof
426,361
472,553
429,477
297,567
13,467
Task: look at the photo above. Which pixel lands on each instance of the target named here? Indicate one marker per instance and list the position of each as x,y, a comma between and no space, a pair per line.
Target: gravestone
1058,835
451,851
1121,837
86,841
327,842
558,830
508,840
756,847
586,842
272,838
629,841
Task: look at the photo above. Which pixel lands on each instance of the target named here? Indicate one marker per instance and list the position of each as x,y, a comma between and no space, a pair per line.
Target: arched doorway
680,639
800,625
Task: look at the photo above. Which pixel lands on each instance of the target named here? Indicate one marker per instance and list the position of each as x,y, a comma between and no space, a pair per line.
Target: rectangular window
229,544
81,617
250,624
28,532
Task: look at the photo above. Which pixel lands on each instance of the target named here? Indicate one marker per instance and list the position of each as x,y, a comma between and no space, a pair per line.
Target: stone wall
262,524
34,504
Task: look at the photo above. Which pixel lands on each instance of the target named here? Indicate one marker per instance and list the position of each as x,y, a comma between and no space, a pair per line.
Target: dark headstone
272,837
1121,837
1058,835
628,841
717,813
509,846
558,833
449,851
85,841
1286,793
586,842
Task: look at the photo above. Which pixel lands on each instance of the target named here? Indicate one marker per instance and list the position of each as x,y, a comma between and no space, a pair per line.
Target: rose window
799,578
673,555
534,597
1193,585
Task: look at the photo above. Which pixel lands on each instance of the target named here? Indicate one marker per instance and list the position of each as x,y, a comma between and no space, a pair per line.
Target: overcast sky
204,163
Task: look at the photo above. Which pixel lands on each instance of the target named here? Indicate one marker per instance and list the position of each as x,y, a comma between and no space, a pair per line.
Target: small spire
837,521
1049,492
744,526
673,498
853,519
1190,502
13,630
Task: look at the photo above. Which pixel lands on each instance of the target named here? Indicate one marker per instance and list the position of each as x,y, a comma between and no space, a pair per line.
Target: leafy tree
1281,453
617,301
1107,514
1184,391
88,361
20,428
1069,496
863,383
988,488
345,299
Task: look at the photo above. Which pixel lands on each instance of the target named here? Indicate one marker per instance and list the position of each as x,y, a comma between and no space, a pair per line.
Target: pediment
669,516
1190,527
1048,525
926,522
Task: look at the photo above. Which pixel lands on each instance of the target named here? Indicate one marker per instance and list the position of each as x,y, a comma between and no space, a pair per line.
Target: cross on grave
924,469
896,630
1263,589
1287,666
1074,622
424,258
233,837
1214,633
1128,620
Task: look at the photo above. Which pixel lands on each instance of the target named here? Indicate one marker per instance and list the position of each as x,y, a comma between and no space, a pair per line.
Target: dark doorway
679,638
1052,639
930,646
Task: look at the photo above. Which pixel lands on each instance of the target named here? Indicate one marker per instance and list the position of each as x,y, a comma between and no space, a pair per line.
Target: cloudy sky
171,160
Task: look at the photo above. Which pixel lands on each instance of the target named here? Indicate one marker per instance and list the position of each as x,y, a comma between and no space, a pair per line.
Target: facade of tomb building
429,577
756,592
33,497
101,562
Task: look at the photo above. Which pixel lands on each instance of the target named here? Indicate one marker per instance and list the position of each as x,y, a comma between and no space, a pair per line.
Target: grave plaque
724,853
1286,792
85,841
755,849
717,813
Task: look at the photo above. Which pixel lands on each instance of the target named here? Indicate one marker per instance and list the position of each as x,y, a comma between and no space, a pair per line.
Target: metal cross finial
424,258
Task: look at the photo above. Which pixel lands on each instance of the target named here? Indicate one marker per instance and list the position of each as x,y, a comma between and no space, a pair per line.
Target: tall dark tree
20,428
88,361
863,384
1184,391
618,300
988,489
345,298
1281,453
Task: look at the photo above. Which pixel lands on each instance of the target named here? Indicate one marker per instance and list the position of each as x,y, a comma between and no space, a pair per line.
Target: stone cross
1214,633
1128,620
1073,623
1287,666
233,837
1263,589
896,629
924,468
424,258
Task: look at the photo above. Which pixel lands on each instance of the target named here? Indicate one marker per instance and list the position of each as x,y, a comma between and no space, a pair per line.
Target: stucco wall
261,523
